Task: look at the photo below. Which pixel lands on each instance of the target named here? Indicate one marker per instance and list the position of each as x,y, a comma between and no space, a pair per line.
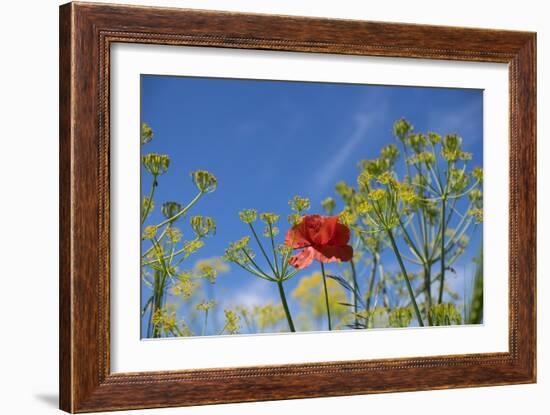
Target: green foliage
475,315
445,314
400,317
166,249
416,201
415,210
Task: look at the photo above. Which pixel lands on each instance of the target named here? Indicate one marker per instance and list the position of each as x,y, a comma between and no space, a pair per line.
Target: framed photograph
259,207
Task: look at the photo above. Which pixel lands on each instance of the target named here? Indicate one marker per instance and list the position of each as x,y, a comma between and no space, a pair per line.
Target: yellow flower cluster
150,232
170,209
205,305
299,204
203,225
156,164
174,235
164,319
445,314
248,215
146,133
184,287
400,317
328,204
236,251
269,218
192,246
377,194
232,322
205,181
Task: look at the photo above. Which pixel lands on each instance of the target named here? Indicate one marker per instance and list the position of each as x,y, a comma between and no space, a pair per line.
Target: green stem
428,290
258,269
205,322
406,276
158,302
172,219
371,285
181,212
163,258
151,194
326,295
263,250
355,290
274,250
371,282
410,243
285,306
443,220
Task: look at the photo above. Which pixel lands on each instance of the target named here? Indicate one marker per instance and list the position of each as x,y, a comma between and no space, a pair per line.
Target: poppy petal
341,235
320,228
329,253
295,237
302,259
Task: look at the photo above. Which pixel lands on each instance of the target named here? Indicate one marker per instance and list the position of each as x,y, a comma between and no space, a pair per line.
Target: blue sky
267,141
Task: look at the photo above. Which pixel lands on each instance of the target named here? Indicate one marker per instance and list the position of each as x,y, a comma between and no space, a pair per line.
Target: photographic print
284,206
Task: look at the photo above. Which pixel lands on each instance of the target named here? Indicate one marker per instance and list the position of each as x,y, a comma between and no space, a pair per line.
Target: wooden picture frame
86,33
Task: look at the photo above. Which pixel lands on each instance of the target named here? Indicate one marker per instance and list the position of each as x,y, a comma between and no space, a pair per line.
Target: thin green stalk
146,306
410,243
274,250
385,296
161,259
177,332
404,271
355,290
256,266
254,272
151,195
205,322
443,220
183,211
285,306
263,250
371,285
428,290
156,302
326,296
172,219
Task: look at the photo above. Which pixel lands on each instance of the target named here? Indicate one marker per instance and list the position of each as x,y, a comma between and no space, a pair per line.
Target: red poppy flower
322,238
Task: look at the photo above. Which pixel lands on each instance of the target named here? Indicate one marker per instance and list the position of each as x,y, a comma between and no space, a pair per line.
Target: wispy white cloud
257,292
326,176
369,111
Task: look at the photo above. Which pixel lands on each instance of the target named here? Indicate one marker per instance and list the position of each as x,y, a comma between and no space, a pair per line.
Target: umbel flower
321,238
156,164
146,133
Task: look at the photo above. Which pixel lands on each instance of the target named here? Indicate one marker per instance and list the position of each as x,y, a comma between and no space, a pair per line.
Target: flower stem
355,290
428,290
151,194
442,283
404,271
263,250
285,306
273,249
205,322
182,211
371,285
326,296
